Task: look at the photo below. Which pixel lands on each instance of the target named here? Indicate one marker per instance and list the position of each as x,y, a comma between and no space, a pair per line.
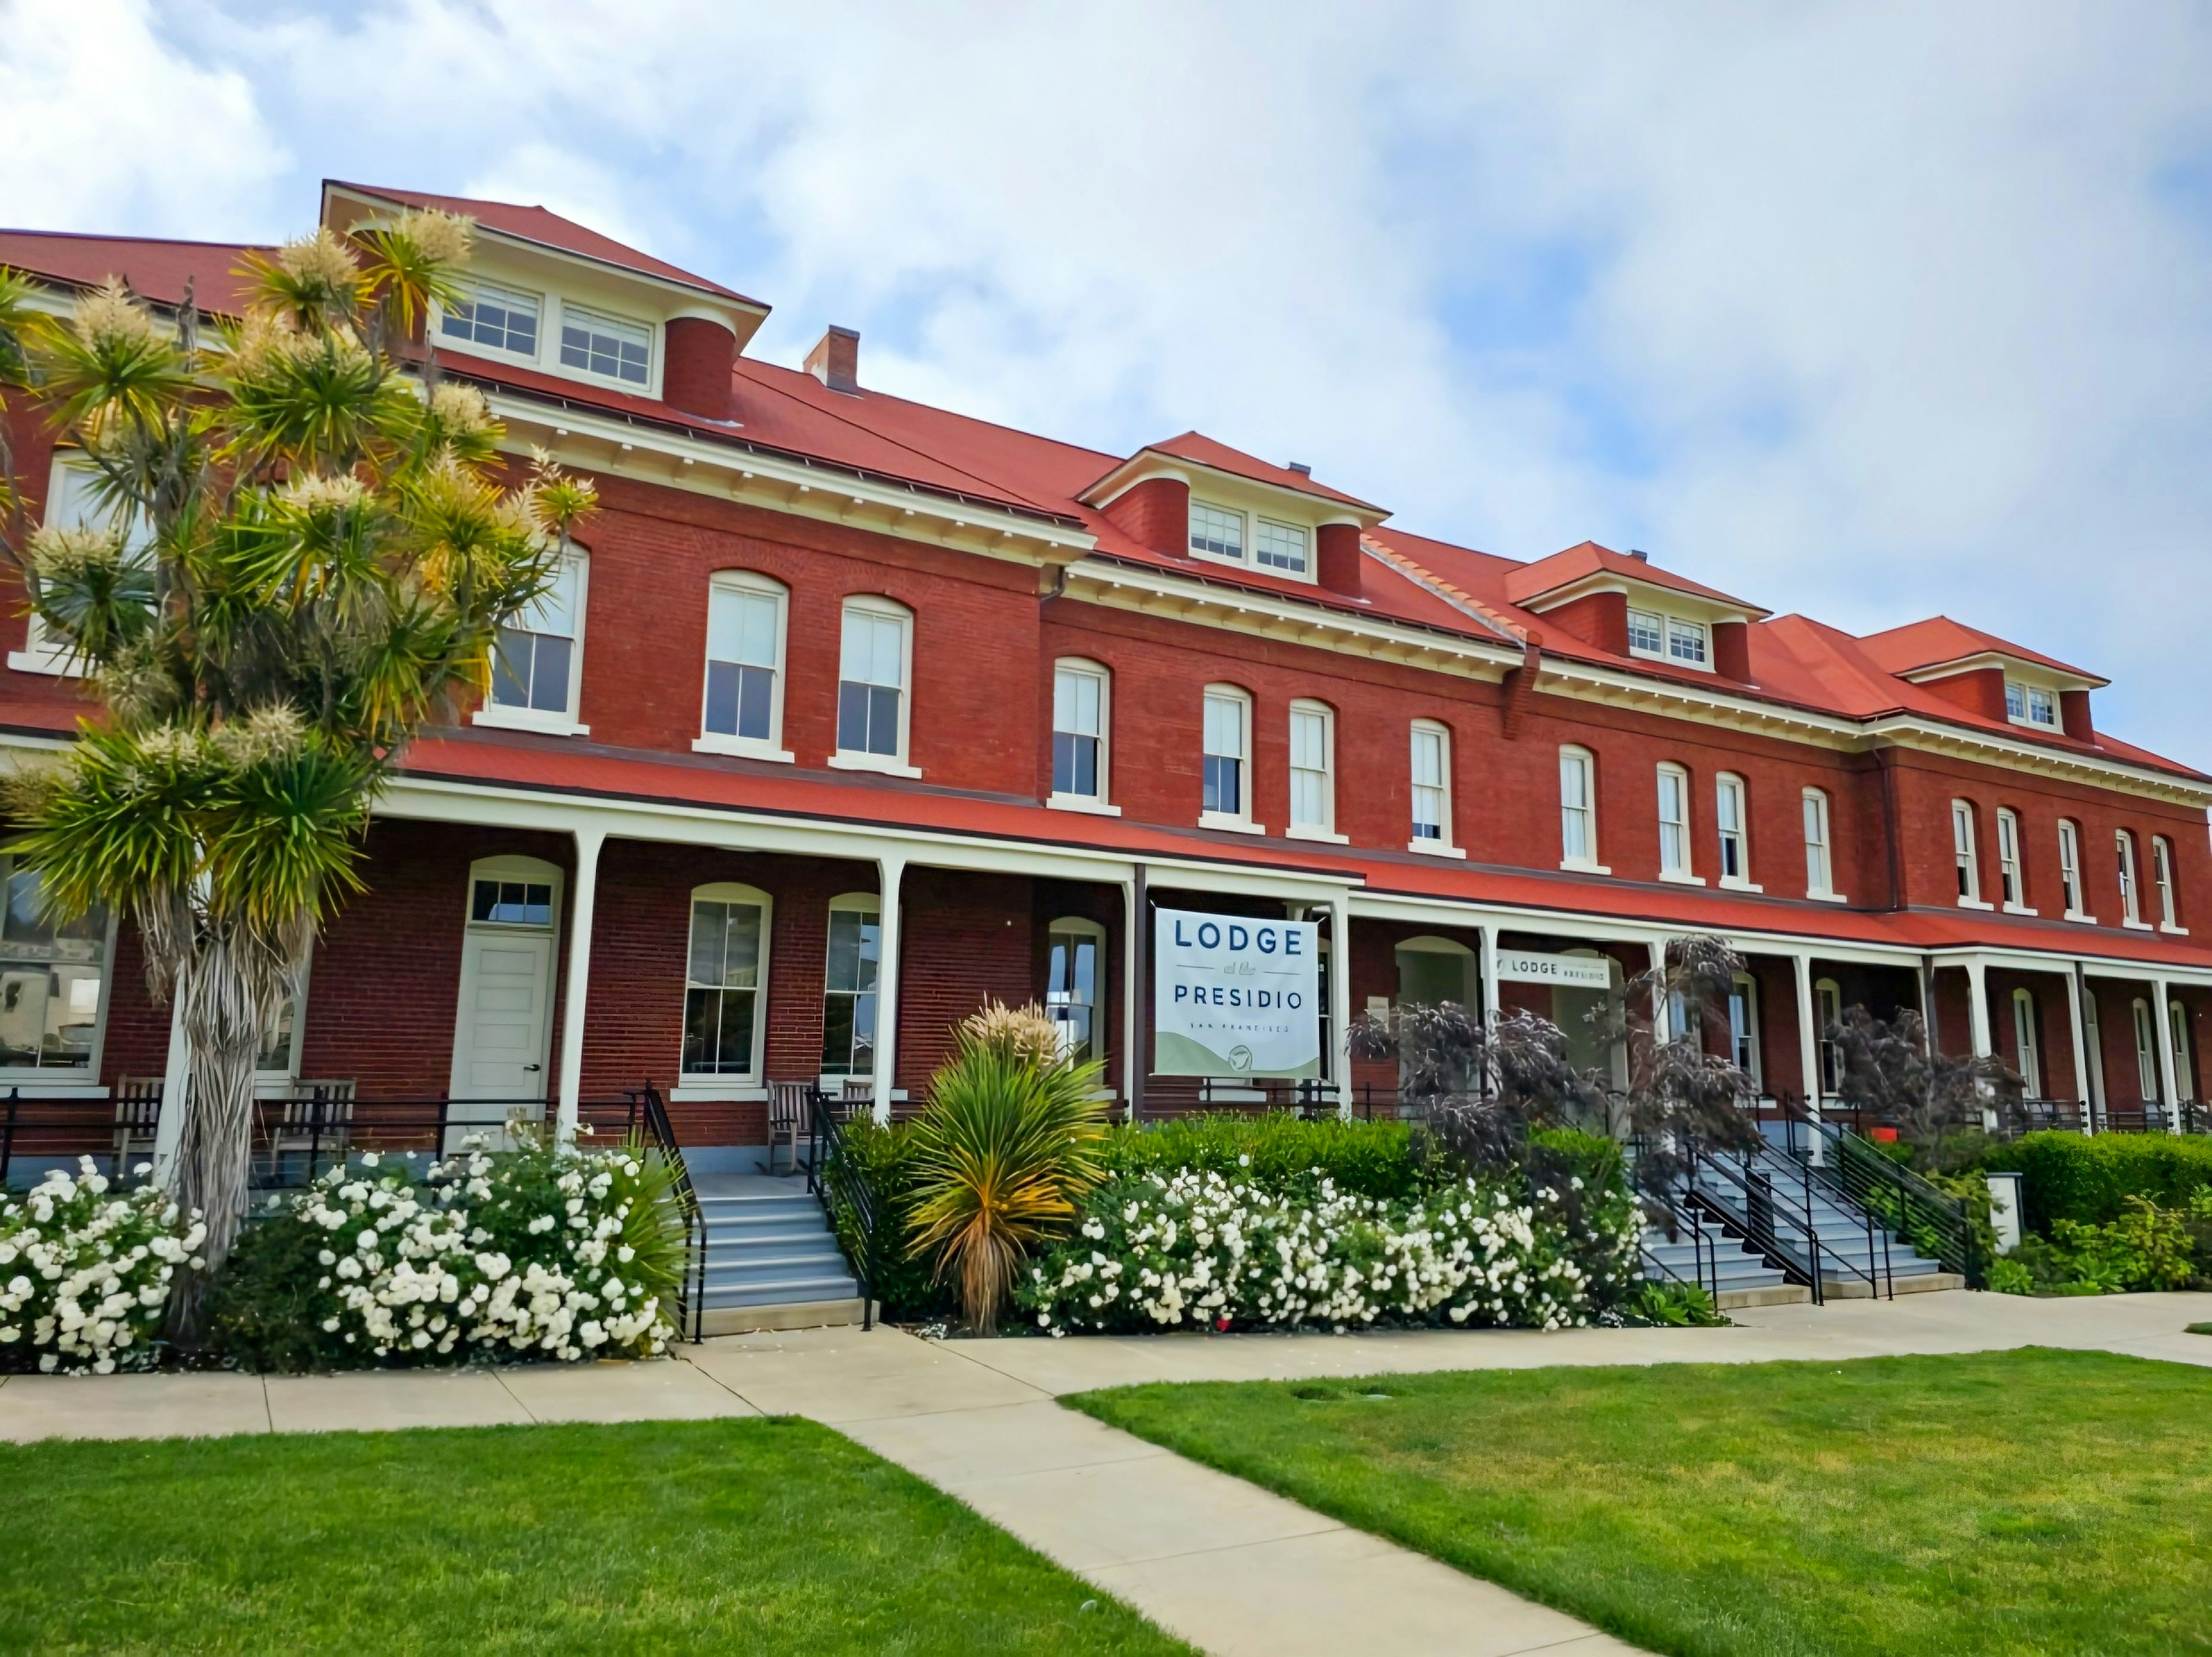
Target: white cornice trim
1147,463
2002,661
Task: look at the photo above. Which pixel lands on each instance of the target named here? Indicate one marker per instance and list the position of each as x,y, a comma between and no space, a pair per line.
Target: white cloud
1866,312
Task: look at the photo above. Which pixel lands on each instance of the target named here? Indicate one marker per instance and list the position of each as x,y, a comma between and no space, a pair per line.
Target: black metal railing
847,1198
1743,1202
1674,1220
1852,1167
648,1126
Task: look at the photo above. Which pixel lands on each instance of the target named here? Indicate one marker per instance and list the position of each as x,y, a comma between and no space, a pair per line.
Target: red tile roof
157,270
1204,451
1940,640
1578,563
548,229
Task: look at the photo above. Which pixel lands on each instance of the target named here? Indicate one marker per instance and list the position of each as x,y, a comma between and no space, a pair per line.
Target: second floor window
1577,807
1079,730
536,667
872,676
2008,874
744,659
1729,818
501,318
1431,776
1228,729
2161,869
2069,866
2130,897
1313,787
1674,822
1819,866
1964,853
606,346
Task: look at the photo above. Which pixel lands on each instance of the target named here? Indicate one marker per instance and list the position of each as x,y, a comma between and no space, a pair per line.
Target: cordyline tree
311,555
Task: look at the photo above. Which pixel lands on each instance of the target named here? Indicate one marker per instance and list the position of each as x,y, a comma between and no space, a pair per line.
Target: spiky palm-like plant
310,554
1008,1148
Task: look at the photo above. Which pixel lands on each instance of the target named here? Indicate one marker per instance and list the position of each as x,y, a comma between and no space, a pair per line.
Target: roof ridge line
1458,597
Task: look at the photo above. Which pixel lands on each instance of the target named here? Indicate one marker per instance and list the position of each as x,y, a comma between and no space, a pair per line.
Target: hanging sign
1568,972
1234,996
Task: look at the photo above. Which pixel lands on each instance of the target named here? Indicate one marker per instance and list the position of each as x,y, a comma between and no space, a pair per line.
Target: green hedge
1372,1159
2089,1179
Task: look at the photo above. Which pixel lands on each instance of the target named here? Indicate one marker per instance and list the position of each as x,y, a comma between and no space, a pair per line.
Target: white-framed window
1075,986
848,984
2184,1072
1081,705
53,980
1674,857
2161,871
1225,792
2029,704
1685,641
1966,854
1431,786
1820,860
2069,867
73,502
504,318
747,617
1743,1027
538,669
2145,1051
1313,769
1279,546
725,973
1731,821
1217,532
2014,892
278,1060
2130,895
2028,1054
610,347
1647,633
1828,998
1577,808
874,664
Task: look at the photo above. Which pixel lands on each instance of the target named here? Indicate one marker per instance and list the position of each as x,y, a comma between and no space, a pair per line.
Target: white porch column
2074,1028
1659,1031
1977,1023
2167,1089
176,1081
1489,965
1339,996
1134,975
1808,1042
582,892
888,871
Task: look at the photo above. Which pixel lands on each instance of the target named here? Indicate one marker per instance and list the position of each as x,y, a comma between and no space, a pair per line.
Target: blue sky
1868,312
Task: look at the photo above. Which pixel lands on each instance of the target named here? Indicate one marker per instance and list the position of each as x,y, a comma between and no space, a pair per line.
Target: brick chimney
836,360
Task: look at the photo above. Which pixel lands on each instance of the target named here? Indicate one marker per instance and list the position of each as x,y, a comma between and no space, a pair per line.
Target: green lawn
740,1536
2031,1501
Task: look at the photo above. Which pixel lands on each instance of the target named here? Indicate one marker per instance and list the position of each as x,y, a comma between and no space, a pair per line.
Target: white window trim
2024,719
1101,1010
1668,623
40,654
2069,832
2139,1016
1756,1068
1249,538
433,329
2184,1072
1449,846
1099,804
1827,894
2130,883
2161,864
1687,874
706,1087
866,903
1589,865
550,344
889,765
1325,834
1704,664
2025,1045
1241,821
1742,883
564,724
1973,899
2006,815
290,1071
750,747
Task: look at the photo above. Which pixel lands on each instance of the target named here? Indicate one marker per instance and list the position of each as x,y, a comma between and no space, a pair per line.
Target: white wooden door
499,1045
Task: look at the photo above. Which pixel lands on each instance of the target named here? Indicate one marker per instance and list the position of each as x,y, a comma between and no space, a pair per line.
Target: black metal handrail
1704,1251
1921,1213
1758,1219
832,1180
649,1124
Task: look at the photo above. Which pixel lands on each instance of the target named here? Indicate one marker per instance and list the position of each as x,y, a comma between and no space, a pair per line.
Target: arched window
1225,800
2145,1051
538,670
1820,864
726,972
875,669
1081,720
2130,895
848,984
1431,775
1674,857
1967,855
1312,771
2028,1050
1075,986
1577,809
1432,971
747,615
1732,821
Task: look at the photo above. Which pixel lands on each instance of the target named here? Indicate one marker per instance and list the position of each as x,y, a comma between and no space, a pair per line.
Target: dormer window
1659,637
502,317
1647,633
1281,546
2029,704
603,345
1685,641
1216,532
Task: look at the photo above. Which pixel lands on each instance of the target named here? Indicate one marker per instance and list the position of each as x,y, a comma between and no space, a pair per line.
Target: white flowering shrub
85,1274
539,1253
1195,1249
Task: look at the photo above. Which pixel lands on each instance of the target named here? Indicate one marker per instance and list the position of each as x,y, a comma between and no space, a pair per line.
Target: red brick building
854,713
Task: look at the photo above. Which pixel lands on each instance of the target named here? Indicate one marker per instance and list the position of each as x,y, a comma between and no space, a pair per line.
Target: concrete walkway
1228,1566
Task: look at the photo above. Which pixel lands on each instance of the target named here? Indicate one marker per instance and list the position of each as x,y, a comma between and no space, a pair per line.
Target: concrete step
1922,1282
833,1313
793,1291
1773,1293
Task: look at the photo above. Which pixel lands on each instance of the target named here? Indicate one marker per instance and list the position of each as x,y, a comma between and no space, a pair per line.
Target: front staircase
772,1261
1859,1256
1702,1253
